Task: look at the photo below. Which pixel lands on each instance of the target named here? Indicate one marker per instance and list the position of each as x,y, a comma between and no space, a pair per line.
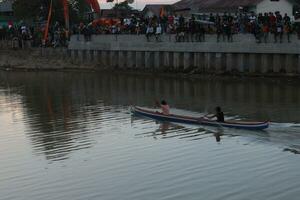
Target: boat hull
200,121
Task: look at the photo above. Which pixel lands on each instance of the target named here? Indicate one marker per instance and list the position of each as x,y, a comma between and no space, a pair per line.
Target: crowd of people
267,27
23,35
194,28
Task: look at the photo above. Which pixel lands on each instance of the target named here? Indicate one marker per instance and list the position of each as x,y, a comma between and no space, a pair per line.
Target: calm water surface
71,136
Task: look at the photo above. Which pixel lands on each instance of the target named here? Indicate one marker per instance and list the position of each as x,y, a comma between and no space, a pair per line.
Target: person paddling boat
219,115
165,108
248,125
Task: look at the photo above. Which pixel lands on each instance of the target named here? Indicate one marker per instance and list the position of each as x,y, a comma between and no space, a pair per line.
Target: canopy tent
106,22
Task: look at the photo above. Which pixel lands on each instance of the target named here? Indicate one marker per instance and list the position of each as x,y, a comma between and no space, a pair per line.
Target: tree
122,6
27,10
78,8
37,10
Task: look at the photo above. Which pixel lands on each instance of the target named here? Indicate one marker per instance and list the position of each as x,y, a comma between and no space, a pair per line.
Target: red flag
94,4
48,23
66,12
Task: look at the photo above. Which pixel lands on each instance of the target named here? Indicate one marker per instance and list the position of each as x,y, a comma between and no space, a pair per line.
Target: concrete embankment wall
132,52
243,55
34,59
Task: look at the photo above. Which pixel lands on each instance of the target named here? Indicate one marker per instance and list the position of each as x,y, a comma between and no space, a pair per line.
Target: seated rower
165,108
219,115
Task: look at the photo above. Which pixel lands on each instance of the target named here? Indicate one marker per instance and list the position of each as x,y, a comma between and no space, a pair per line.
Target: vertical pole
48,23
67,17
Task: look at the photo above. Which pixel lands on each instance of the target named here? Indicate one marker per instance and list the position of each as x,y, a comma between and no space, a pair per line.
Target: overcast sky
137,3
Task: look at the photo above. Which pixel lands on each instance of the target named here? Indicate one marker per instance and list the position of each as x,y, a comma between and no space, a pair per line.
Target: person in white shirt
158,33
149,31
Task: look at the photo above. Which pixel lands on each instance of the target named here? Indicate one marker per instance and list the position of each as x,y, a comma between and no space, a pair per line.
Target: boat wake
284,135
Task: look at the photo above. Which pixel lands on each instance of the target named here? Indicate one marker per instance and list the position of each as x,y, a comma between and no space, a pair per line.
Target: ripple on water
74,138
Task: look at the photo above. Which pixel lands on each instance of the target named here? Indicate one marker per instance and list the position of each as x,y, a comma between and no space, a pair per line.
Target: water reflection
218,134
82,121
162,130
60,109
252,98
164,127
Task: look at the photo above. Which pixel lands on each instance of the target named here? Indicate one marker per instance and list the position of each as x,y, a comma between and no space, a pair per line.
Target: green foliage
78,8
27,10
37,10
122,6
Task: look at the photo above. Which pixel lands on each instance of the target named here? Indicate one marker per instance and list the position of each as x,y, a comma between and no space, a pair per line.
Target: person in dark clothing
219,31
258,32
286,19
219,115
192,28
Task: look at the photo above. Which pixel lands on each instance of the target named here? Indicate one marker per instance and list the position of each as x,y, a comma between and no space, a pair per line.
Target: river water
71,136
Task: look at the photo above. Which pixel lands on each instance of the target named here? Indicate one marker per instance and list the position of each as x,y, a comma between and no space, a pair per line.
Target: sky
137,3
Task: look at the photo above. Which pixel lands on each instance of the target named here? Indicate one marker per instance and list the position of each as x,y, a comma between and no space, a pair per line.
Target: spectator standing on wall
279,25
180,34
227,29
164,23
149,32
186,32
23,35
181,21
230,28
114,29
258,32
240,23
192,28
219,31
288,30
218,23
287,26
279,31
265,30
272,25
266,27
170,30
278,17
252,21
260,18
286,19
158,33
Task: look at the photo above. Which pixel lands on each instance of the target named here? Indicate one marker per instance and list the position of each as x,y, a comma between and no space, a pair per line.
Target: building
233,6
283,6
117,13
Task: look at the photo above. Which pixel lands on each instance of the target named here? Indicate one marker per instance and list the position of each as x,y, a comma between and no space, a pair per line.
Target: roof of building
112,13
217,5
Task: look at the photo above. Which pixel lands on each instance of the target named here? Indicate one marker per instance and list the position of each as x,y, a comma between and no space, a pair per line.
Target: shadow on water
61,108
